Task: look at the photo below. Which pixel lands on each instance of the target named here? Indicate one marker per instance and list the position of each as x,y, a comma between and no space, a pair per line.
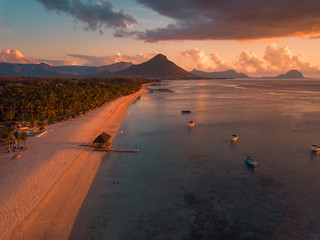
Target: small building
102,141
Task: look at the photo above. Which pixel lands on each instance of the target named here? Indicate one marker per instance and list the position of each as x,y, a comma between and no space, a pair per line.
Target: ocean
193,183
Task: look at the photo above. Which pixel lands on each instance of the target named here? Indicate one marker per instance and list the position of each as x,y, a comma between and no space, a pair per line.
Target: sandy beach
42,192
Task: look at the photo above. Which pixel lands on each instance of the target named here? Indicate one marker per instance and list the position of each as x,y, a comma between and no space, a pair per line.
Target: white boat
191,124
315,148
251,162
234,138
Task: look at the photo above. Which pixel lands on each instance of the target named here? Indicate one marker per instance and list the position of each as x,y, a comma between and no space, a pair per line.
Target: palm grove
55,99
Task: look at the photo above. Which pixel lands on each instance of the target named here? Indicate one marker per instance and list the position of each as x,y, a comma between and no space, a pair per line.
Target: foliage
24,138
40,98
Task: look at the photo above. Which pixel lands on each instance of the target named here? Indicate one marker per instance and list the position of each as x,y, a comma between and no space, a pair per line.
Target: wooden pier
124,150
115,150
109,148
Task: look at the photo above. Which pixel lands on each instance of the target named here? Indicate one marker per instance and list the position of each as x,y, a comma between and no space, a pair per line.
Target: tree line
41,98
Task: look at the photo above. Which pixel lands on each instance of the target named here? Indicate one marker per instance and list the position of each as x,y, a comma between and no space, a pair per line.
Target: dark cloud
233,19
120,33
94,16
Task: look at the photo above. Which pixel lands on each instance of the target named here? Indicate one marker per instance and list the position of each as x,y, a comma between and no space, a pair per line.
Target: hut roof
102,138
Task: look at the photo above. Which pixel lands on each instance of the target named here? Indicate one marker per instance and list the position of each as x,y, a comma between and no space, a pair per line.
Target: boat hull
251,163
234,139
315,149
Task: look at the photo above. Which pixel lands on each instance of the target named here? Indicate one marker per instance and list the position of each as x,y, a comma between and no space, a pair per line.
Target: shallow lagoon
194,183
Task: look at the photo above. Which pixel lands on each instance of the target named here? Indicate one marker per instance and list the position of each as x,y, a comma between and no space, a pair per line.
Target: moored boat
191,124
234,138
185,111
315,148
251,162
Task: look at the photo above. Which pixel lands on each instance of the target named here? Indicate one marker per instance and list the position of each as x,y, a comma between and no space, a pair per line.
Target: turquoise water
194,183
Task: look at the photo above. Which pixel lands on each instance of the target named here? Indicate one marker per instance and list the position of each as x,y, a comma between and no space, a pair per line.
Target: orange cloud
219,62
249,62
15,56
276,60
281,58
113,58
197,55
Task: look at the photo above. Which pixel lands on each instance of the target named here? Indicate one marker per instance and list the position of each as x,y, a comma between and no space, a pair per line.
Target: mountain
42,69
46,70
159,67
92,70
79,70
223,74
116,67
291,74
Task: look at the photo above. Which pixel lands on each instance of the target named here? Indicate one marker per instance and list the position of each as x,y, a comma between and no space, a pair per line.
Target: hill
92,70
159,67
291,74
42,69
46,70
116,67
223,74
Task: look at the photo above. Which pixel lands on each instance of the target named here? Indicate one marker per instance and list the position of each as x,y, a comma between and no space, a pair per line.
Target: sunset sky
259,38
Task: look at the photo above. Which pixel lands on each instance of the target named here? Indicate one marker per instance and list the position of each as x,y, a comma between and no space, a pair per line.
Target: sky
259,38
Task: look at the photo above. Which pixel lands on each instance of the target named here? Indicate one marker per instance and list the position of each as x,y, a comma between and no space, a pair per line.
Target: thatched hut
102,140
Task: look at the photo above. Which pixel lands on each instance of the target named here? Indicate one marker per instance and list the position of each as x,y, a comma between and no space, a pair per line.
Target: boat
185,111
315,148
234,138
17,156
191,124
251,162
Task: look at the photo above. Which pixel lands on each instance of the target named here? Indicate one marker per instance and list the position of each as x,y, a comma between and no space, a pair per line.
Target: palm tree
17,136
8,140
24,137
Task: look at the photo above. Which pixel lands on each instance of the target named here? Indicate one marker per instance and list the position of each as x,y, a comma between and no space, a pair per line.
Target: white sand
42,192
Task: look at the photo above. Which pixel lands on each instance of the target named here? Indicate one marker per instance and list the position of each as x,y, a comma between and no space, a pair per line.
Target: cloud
233,19
15,56
219,62
315,37
59,62
94,16
198,56
205,62
114,58
283,59
249,62
276,60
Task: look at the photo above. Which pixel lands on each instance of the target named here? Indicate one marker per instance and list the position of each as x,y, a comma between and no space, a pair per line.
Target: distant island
291,74
223,74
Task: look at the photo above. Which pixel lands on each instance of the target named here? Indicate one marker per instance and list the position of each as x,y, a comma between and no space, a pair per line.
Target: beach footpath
42,192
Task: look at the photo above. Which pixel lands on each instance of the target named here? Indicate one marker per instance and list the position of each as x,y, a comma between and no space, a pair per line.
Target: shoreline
31,210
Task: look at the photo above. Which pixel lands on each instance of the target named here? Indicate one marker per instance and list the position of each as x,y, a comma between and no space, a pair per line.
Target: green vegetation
10,137
41,98
24,138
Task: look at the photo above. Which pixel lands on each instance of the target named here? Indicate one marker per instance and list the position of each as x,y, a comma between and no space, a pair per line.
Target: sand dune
41,193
